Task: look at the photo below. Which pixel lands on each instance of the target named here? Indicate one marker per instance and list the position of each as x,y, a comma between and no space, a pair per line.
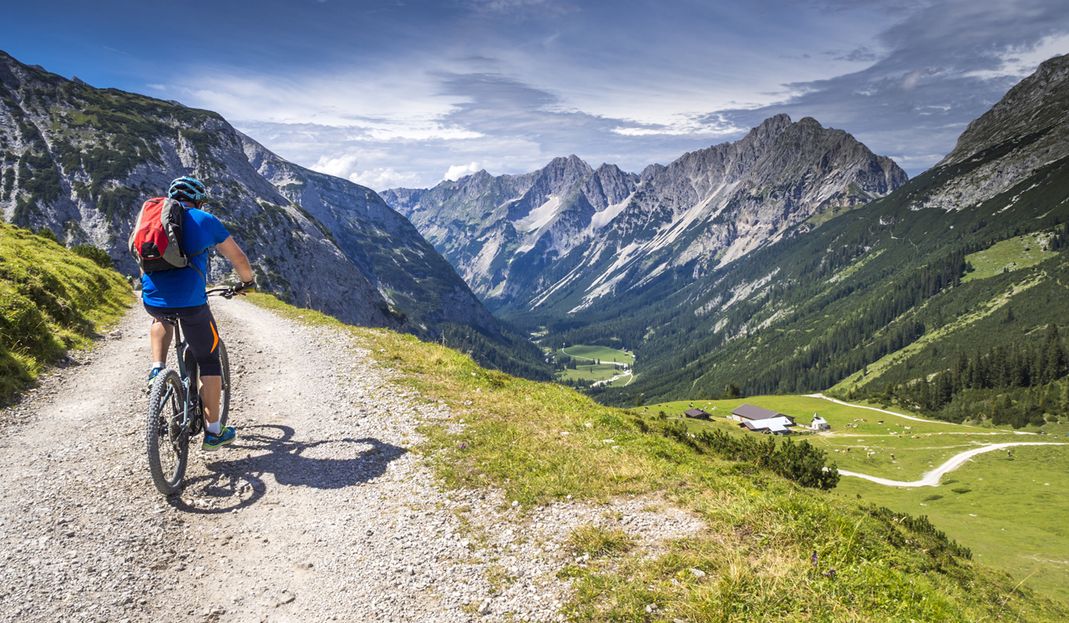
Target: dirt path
857,406
318,512
932,478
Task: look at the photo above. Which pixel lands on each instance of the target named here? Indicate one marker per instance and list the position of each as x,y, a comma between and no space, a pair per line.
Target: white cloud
340,166
384,177
457,171
683,125
384,102
378,178
1019,61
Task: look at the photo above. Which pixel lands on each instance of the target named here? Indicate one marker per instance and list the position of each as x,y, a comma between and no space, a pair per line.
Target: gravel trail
318,512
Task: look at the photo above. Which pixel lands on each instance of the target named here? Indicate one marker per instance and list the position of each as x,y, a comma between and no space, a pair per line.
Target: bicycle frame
187,371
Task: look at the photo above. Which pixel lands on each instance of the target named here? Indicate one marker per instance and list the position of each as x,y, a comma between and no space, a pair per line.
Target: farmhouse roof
750,412
778,423
694,413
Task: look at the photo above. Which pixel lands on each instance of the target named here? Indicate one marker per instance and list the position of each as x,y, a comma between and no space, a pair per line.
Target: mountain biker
181,293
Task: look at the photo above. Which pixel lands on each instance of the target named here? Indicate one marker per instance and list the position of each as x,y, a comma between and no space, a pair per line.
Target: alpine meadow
534,310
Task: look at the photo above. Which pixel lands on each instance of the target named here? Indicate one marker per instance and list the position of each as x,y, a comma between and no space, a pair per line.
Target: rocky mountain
567,237
962,266
79,161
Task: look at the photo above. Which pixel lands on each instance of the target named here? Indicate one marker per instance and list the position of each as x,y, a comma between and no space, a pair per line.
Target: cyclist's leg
160,335
202,335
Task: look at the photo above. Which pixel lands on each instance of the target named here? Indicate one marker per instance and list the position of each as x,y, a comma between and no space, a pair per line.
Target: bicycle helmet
187,189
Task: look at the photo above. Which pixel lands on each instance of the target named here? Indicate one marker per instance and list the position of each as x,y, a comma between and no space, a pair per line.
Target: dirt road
318,512
932,478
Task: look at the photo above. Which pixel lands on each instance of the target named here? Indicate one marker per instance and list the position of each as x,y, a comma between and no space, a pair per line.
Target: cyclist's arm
231,251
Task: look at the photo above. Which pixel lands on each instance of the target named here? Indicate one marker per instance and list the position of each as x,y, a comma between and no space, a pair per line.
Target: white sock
159,364
214,428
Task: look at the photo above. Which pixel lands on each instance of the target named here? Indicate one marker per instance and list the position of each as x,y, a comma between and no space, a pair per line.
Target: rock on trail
319,511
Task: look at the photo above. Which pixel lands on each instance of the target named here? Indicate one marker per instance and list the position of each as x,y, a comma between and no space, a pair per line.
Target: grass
596,541
980,504
593,372
1012,513
51,300
587,369
1008,255
542,442
603,353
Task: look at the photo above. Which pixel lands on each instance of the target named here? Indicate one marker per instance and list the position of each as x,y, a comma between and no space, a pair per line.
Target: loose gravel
319,512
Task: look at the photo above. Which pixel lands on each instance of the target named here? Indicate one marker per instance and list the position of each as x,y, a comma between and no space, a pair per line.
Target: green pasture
1011,507
593,372
1007,255
604,353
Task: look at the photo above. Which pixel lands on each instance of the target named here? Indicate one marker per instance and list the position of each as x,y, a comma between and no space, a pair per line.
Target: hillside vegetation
51,299
771,550
980,504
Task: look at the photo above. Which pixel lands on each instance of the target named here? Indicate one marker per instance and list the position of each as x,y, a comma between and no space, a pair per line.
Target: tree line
1011,383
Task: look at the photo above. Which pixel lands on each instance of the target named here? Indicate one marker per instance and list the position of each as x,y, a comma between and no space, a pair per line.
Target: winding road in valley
932,478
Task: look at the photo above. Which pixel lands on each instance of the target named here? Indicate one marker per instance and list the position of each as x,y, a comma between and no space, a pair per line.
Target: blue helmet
187,189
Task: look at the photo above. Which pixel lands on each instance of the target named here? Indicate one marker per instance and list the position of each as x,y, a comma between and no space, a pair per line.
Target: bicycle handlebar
230,292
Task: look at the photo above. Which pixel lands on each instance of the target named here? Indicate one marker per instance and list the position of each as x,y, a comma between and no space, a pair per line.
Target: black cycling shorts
200,332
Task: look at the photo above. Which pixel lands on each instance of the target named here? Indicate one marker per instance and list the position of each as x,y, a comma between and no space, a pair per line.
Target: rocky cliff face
1023,132
79,161
571,236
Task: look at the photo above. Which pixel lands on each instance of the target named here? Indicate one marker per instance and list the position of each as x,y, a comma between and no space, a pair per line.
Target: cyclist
181,293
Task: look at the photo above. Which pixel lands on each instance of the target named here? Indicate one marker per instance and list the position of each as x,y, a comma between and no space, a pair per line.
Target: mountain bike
174,410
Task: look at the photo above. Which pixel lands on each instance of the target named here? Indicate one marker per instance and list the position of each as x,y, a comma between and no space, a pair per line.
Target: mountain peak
781,120
1036,105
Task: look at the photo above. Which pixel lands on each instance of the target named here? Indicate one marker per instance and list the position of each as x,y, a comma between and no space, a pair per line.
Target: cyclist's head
188,189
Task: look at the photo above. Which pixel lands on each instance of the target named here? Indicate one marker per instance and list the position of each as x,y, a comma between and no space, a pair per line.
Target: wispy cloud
630,83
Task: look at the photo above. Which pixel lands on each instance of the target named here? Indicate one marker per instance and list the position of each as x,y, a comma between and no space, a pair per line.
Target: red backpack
156,241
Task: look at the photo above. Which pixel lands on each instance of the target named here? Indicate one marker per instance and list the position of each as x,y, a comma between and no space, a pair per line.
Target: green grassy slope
540,442
1008,255
983,504
51,299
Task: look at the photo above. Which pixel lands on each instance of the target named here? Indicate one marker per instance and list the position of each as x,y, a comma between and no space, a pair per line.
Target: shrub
801,462
99,256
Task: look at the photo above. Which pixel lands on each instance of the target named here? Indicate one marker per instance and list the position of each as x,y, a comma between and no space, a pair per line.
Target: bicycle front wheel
167,441
224,398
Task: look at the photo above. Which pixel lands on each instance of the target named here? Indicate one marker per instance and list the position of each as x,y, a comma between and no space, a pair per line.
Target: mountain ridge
882,293
79,161
567,235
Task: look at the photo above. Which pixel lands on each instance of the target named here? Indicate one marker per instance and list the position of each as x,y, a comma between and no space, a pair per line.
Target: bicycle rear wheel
224,398
166,440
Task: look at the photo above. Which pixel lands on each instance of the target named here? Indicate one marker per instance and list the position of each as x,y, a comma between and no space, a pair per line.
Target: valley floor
932,478
997,491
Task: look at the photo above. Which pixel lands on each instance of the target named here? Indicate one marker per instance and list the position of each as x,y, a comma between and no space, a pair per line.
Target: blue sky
406,93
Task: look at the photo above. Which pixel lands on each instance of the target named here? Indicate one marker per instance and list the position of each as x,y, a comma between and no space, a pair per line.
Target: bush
45,232
801,462
99,256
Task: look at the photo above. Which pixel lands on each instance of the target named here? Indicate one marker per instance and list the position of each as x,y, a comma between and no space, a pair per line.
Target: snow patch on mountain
606,216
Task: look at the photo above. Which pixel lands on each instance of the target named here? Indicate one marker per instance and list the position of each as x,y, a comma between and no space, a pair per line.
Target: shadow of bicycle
272,449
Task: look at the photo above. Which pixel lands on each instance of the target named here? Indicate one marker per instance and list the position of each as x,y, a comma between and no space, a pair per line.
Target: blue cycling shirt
184,287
